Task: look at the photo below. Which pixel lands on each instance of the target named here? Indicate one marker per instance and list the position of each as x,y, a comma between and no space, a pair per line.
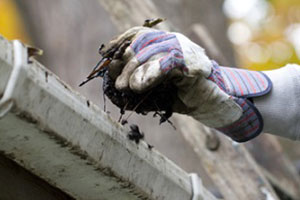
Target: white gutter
56,134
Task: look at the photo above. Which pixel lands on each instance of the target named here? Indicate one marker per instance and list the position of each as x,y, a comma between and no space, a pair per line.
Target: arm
280,108
233,101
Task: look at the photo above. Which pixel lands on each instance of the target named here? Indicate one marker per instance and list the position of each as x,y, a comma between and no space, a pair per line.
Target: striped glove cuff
242,85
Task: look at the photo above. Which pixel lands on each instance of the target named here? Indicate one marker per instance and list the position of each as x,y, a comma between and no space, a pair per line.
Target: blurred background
252,34
265,33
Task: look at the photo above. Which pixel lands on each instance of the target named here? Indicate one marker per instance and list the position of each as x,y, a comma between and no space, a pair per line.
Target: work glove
205,91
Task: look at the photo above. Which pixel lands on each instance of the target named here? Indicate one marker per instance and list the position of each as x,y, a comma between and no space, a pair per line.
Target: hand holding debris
166,71
145,70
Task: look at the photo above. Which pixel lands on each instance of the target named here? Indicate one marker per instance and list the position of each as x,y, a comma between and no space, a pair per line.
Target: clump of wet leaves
159,99
135,134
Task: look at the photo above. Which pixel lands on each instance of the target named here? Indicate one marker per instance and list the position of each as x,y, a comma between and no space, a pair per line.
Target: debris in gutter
135,134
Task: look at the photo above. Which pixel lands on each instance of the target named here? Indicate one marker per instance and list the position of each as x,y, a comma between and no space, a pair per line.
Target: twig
164,117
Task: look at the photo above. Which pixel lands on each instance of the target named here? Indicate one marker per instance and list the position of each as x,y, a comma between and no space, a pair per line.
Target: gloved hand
155,56
203,92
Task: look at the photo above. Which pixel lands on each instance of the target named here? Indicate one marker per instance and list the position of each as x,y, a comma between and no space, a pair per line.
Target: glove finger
120,52
125,52
146,76
141,40
162,66
115,68
122,82
117,64
194,57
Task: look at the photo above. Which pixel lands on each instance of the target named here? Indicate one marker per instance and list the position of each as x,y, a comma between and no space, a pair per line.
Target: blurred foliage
11,25
272,42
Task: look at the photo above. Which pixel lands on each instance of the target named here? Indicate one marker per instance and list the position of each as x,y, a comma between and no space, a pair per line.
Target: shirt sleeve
280,108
